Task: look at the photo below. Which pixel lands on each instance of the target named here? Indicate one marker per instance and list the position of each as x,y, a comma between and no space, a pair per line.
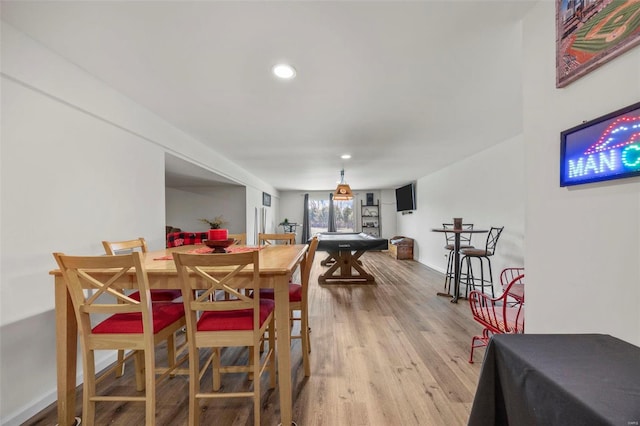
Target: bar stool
465,242
482,255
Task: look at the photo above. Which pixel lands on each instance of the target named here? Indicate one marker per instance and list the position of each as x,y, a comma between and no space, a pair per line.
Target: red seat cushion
295,293
234,320
159,295
164,314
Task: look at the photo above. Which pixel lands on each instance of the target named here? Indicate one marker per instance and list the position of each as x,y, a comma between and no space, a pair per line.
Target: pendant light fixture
343,191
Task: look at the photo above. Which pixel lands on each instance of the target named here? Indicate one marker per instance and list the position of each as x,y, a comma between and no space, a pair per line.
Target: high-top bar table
456,258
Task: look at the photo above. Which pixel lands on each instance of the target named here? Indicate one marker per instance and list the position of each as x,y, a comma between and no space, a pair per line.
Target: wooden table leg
66,353
328,261
283,346
346,263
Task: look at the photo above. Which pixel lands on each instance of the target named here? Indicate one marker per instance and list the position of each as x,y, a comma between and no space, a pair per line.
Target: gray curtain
306,229
332,214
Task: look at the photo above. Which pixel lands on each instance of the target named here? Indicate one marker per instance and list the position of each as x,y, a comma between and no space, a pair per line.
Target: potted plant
216,232
216,223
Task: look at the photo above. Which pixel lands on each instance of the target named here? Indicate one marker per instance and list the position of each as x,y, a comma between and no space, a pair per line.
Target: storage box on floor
401,248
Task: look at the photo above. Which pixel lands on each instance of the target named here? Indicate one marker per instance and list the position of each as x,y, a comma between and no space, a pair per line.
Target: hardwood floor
392,353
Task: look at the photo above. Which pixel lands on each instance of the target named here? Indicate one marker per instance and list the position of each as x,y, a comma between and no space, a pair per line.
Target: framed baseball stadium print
589,33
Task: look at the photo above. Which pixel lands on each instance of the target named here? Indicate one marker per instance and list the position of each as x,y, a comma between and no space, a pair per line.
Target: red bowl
219,245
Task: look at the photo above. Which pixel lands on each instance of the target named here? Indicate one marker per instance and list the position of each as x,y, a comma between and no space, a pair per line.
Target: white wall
259,212
583,243
60,192
486,189
185,206
291,207
79,163
388,221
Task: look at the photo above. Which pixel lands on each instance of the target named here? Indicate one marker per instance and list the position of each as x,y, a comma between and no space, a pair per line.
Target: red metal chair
517,289
498,315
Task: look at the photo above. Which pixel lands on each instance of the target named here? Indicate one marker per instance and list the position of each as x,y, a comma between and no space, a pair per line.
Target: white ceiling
405,87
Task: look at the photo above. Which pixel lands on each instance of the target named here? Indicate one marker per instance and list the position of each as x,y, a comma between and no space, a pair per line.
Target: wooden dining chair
267,239
118,247
214,323
112,248
137,325
298,301
241,239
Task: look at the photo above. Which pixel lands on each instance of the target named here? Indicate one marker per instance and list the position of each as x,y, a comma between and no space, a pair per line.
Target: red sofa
176,239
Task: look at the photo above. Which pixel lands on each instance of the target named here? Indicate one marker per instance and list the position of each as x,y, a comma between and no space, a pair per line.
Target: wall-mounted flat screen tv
405,198
605,148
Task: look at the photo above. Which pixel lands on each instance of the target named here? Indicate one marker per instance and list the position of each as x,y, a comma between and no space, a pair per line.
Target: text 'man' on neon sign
602,149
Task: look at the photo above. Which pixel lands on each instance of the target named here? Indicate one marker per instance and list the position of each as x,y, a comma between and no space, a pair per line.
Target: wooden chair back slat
307,263
267,239
241,239
217,272
82,271
113,247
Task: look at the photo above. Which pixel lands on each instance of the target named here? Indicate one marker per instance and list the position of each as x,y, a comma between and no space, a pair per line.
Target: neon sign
602,149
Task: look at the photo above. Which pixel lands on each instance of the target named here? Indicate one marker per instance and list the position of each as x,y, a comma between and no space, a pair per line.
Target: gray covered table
558,379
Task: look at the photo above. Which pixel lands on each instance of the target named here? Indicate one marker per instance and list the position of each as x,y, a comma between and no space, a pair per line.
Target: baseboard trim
28,411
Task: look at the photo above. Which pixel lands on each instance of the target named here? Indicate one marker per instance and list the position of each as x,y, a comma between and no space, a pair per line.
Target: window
319,216
344,215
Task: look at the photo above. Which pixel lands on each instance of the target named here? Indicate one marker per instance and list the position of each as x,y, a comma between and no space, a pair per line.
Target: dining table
456,253
277,265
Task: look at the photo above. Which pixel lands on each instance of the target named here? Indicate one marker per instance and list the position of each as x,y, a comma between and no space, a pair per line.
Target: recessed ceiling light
284,71
345,156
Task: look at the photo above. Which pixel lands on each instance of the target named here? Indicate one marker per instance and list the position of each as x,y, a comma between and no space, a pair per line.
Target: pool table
344,251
